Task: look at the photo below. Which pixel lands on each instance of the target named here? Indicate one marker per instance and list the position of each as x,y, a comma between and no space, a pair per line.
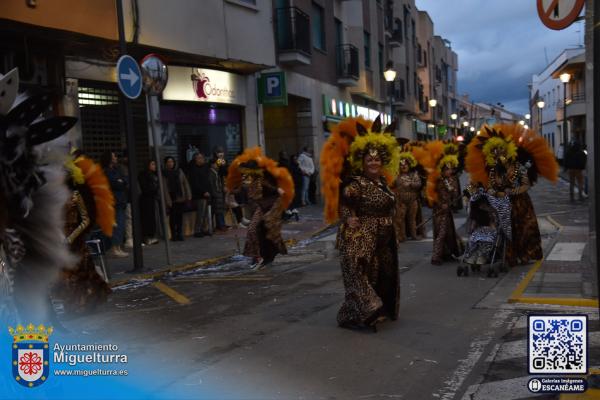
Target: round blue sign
129,77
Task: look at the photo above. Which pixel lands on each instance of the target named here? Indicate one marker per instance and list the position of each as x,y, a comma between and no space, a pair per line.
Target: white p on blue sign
129,77
272,89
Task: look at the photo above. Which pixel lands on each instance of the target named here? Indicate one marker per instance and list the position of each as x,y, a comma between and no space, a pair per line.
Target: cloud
500,45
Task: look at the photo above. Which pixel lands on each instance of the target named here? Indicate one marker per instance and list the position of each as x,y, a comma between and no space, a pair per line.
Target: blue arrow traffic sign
129,77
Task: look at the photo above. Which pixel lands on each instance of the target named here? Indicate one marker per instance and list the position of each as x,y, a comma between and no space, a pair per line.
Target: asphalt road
273,334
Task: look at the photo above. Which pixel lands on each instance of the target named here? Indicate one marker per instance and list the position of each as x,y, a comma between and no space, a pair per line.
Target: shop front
202,109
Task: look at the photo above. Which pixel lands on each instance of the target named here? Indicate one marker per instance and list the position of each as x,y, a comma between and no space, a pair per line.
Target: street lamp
390,75
565,78
522,122
540,104
433,104
454,117
527,117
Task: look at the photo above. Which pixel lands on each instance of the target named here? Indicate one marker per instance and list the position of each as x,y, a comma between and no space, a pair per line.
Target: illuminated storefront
335,110
200,110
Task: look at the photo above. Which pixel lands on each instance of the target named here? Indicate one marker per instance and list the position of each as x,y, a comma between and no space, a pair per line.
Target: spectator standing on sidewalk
199,178
178,190
575,162
119,185
307,166
216,195
149,197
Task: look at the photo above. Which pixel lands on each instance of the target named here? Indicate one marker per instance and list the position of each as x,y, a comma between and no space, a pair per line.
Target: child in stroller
489,229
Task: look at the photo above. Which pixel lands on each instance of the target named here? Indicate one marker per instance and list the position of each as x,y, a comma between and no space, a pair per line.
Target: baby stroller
489,229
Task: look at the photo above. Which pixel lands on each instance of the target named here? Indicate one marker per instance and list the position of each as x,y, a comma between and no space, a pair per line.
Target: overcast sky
500,45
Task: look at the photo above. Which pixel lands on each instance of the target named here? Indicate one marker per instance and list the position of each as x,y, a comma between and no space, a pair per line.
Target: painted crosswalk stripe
565,251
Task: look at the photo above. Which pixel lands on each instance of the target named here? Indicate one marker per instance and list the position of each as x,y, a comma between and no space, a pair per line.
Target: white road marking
465,366
565,251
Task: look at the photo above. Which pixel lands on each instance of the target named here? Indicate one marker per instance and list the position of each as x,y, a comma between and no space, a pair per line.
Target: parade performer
506,160
442,191
358,164
81,288
270,190
408,188
452,147
32,197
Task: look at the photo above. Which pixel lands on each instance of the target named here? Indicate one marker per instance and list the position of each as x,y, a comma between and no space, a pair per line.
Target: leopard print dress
369,257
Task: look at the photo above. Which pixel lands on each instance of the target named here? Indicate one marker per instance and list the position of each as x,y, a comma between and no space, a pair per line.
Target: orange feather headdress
343,153
281,174
434,154
532,151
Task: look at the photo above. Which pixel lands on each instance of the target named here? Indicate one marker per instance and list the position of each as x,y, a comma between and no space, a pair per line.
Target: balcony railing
293,30
347,62
577,97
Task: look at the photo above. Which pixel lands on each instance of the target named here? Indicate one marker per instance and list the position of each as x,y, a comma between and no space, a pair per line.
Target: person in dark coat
119,185
199,179
216,195
178,193
575,162
149,197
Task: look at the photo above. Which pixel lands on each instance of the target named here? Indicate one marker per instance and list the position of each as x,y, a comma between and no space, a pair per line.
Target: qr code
557,344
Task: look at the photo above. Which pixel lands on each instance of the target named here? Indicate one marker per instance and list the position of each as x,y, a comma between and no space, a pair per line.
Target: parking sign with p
271,89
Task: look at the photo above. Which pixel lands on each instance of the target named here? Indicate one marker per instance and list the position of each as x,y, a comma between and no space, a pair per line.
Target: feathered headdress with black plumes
22,127
32,198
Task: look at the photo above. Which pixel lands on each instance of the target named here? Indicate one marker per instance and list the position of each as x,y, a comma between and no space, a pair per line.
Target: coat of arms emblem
30,354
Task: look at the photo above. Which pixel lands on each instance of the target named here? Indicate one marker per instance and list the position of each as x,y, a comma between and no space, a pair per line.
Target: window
318,27
398,33
367,39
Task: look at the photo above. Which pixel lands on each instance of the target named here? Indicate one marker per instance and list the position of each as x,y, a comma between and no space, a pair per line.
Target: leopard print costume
368,252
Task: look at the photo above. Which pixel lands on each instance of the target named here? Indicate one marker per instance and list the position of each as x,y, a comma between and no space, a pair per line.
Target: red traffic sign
559,14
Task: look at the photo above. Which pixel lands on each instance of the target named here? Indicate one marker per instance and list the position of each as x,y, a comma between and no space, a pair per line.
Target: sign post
559,14
156,76
130,83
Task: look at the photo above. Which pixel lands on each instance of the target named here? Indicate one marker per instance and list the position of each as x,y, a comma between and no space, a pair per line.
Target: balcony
576,105
293,36
347,65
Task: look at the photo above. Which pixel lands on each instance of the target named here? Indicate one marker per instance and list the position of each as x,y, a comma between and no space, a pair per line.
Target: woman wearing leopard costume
369,159
506,160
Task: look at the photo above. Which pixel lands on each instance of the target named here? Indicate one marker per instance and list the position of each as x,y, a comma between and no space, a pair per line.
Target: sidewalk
195,252
565,276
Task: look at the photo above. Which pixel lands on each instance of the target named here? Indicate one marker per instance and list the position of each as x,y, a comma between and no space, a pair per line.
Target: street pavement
272,334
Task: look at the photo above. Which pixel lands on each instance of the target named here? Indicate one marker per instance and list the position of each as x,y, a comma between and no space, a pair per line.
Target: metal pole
596,140
138,260
163,204
565,136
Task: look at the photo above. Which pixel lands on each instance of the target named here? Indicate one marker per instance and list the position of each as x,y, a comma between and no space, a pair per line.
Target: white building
547,90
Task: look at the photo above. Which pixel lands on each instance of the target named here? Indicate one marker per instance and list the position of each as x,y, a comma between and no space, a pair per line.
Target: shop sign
205,85
272,89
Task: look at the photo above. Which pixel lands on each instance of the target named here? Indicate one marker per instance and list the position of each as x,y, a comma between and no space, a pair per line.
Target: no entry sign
559,14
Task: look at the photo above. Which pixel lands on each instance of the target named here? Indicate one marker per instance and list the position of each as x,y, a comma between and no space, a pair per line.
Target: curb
155,275
517,294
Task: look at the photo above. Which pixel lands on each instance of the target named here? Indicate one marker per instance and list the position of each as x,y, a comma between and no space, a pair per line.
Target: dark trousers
176,220
148,211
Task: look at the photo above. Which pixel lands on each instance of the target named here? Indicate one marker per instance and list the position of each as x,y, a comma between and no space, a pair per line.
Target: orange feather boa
104,199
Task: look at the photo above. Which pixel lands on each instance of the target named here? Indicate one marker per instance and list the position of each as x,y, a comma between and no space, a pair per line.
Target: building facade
210,99
547,94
